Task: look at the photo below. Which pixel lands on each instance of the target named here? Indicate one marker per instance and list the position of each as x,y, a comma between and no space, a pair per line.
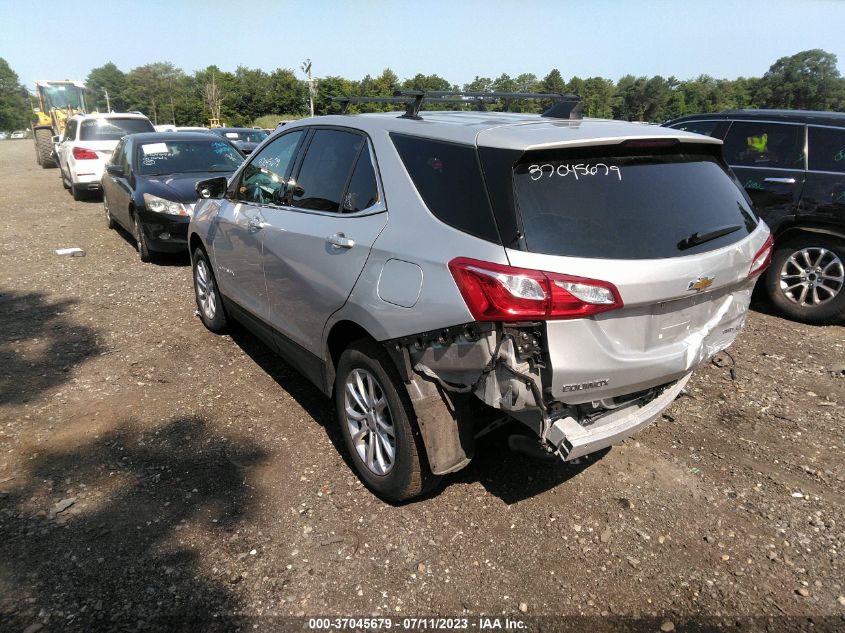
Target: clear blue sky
458,39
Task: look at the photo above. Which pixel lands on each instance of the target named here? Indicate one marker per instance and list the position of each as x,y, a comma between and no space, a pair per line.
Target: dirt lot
156,476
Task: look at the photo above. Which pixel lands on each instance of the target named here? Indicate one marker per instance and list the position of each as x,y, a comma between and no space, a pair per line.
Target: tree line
808,80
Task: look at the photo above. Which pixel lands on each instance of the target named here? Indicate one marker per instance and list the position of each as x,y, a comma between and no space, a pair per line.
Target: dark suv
792,164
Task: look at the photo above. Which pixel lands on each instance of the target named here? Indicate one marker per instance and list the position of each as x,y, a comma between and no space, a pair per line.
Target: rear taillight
81,153
762,259
494,292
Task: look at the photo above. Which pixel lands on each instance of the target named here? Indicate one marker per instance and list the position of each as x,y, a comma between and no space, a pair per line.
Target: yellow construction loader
58,101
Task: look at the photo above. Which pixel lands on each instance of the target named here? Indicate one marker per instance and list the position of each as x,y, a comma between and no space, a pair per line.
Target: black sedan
149,185
246,139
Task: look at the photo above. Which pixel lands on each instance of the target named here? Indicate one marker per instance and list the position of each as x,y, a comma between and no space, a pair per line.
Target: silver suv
428,268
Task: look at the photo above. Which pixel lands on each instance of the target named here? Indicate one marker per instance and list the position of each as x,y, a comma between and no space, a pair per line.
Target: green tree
107,78
288,95
597,97
154,89
15,111
808,80
553,82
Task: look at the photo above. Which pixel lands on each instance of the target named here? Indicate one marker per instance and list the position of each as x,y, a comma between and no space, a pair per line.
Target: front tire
207,295
379,426
806,280
141,241
44,148
110,223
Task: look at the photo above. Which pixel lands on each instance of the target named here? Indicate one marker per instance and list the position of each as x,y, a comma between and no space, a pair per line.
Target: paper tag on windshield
231,135
154,148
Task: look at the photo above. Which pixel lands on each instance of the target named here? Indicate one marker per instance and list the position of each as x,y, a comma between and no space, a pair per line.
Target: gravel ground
156,476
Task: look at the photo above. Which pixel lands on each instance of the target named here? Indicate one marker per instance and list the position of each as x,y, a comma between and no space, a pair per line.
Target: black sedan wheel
141,242
110,223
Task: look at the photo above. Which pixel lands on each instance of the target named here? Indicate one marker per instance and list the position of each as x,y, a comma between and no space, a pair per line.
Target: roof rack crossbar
565,105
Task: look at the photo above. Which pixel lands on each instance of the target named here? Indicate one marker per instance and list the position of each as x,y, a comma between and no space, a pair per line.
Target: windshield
180,157
112,129
629,207
247,136
62,96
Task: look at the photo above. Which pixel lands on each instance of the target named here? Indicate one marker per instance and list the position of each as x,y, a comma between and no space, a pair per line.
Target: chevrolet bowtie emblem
700,284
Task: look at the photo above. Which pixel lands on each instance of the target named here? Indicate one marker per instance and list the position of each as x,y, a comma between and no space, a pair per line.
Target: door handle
255,224
782,181
339,240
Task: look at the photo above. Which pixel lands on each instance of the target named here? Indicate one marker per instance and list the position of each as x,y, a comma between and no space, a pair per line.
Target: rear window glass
112,129
629,207
180,157
827,149
448,178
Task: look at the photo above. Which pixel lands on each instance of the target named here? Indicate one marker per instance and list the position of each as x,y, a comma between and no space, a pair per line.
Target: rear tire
207,295
376,418
76,192
806,281
44,148
141,241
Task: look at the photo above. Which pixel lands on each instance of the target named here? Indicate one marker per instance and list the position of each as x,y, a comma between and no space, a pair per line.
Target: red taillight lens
494,292
762,259
81,153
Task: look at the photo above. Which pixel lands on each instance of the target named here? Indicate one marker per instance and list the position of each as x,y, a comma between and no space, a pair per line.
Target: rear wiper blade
700,238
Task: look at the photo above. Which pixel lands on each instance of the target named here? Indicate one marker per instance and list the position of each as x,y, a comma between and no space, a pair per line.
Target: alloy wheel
369,421
206,296
812,276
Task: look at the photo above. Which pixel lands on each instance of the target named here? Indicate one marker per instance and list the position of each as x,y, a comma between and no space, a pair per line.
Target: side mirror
212,187
114,170
57,138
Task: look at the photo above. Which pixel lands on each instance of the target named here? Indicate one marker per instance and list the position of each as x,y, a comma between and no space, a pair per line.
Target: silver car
429,268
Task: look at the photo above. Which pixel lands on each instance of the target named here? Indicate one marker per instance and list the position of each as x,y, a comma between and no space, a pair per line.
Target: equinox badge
700,284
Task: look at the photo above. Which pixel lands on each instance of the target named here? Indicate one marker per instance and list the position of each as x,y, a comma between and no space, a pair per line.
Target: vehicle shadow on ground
504,473
159,259
123,556
39,344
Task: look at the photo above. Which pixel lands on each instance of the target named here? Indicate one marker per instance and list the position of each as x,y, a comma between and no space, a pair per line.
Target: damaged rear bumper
571,440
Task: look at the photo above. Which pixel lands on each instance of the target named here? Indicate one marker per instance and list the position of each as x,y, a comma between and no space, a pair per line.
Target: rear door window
642,206
826,149
326,169
761,144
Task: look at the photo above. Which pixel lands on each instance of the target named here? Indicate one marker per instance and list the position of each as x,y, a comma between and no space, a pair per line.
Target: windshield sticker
577,170
232,135
150,159
154,148
221,148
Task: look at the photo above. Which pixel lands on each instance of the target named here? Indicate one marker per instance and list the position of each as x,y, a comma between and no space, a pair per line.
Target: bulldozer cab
58,101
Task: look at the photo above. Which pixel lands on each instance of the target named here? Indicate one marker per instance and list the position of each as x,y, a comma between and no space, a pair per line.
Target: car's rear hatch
660,220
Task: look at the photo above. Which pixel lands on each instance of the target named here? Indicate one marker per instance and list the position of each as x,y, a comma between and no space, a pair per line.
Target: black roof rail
565,106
